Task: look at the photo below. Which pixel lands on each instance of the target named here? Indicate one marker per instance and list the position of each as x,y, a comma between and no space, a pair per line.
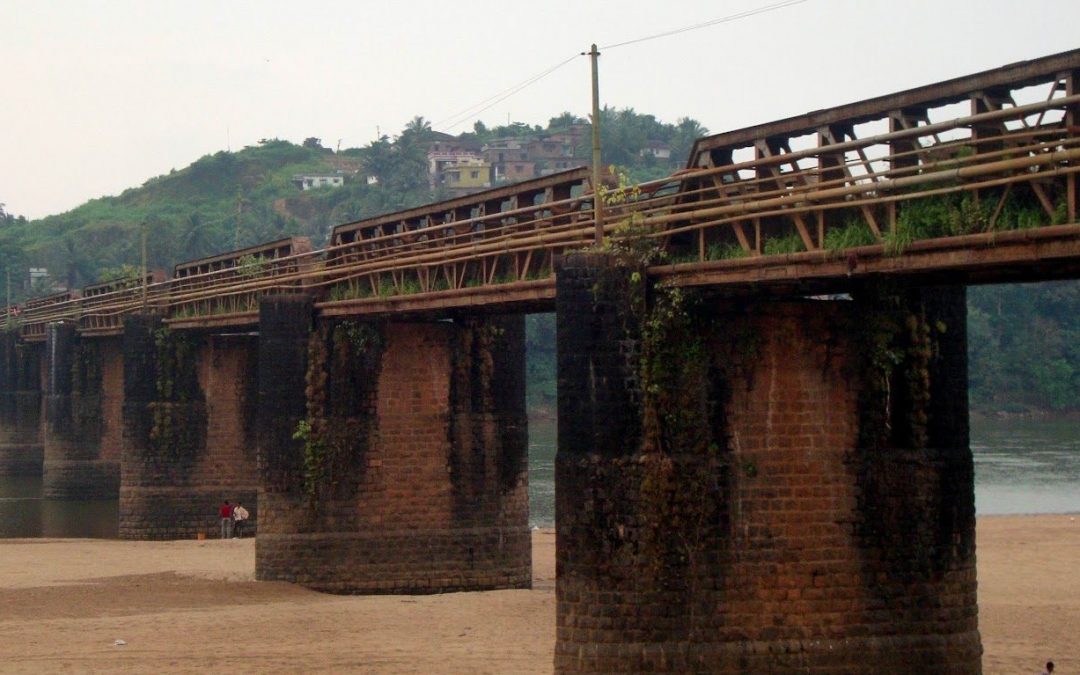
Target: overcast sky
100,96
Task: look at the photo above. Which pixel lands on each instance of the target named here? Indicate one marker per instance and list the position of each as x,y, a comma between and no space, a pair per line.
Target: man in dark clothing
226,514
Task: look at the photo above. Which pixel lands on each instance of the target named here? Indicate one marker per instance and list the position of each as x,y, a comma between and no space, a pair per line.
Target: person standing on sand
240,516
226,513
1049,668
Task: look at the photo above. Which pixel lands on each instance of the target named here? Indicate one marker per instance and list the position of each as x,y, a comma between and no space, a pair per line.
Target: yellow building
468,174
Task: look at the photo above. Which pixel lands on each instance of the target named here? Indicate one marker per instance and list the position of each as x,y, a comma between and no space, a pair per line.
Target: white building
318,180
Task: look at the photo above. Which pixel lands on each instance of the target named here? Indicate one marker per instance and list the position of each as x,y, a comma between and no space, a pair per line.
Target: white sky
100,96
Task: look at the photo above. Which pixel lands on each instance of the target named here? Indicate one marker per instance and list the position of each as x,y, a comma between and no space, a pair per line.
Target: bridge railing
230,284
879,149
464,243
37,305
932,180
102,306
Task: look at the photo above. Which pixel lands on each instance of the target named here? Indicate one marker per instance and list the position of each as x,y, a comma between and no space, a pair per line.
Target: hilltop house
311,181
657,149
470,174
448,151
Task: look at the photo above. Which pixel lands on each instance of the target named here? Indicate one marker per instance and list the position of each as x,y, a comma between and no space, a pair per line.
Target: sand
192,606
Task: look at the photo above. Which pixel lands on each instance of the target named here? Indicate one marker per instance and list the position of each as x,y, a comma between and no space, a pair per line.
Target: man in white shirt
240,516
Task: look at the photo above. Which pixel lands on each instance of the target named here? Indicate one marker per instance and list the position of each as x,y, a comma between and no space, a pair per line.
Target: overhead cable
706,24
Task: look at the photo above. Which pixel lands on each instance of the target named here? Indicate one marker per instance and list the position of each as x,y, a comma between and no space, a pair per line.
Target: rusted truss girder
912,101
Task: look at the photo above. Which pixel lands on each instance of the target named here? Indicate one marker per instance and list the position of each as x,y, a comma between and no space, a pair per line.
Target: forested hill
1024,340
1024,347
221,202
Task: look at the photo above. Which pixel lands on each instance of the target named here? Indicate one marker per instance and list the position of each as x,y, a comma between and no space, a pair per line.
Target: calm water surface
1026,466
1020,467
24,513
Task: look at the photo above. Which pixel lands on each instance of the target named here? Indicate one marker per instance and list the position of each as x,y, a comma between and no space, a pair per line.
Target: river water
1021,466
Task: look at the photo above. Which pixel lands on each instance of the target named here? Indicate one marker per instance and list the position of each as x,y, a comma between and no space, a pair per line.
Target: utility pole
598,206
239,212
143,267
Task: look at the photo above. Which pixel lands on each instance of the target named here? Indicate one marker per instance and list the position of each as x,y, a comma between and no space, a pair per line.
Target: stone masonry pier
771,486
189,427
82,434
21,450
393,455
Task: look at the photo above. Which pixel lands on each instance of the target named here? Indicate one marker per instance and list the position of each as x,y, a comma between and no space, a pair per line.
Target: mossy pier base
392,455
21,449
81,446
766,486
188,419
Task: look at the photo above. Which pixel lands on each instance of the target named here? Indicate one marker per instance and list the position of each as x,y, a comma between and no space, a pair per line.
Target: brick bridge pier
20,407
81,414
409,474
188,419
762,486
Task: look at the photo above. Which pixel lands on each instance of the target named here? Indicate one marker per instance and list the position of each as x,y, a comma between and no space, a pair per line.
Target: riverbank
192,606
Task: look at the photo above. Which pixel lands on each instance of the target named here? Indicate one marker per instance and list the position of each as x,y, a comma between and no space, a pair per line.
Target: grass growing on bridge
854,233
956,214
726,251
792,243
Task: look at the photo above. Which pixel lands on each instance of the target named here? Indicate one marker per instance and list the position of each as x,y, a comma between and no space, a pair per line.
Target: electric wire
726,19
477,108
473,111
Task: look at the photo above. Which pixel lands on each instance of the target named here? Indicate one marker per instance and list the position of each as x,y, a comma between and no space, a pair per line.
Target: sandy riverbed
194,606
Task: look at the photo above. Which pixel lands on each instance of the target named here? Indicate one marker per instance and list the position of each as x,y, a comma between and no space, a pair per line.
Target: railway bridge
763,458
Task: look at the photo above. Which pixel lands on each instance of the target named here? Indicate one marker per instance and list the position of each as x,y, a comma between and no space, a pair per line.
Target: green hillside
219,202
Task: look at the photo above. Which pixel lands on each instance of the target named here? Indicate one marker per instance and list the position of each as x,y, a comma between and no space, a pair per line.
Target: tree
564,121
7,219
312,142
418,128
77,262
378,158
196,238
687,131
408,175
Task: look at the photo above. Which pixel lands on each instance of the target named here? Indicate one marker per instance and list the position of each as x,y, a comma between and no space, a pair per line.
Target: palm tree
196,238
687,131
418,125
75,261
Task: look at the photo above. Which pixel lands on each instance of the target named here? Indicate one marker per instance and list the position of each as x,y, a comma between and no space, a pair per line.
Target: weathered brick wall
76,464
21,448
780,541
110,353
187,416
421,482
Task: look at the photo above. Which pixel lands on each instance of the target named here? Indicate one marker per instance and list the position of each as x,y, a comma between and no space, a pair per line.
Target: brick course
77,465
175,476
429,493
21,449
792,548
